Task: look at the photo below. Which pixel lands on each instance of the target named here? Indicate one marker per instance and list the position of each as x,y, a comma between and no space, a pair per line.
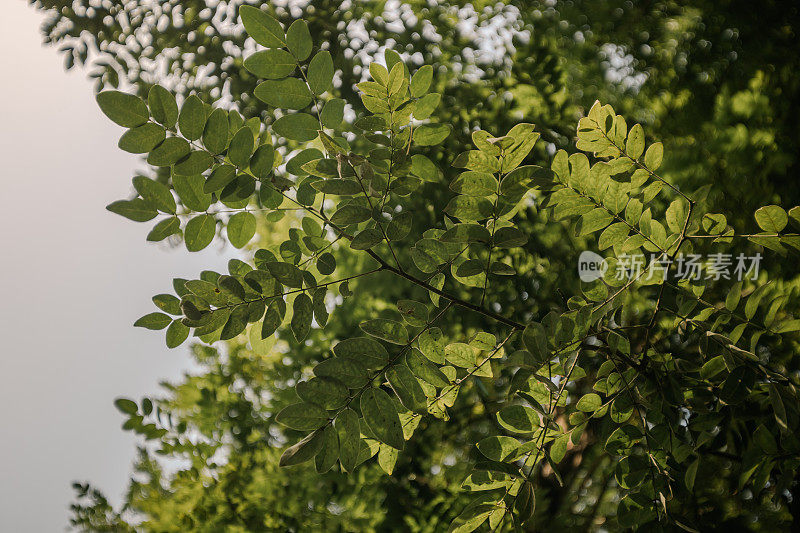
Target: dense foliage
466,357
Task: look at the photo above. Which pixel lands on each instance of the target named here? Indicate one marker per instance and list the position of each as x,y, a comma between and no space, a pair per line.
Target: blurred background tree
716,82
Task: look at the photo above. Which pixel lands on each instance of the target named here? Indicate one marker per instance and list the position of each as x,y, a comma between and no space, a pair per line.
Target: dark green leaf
172,150
288,93
155,193
272,64
264,29
381,417
137,209
142,139
125,109
298,39
302,416
325,392
241,228
302,315
154,321
300,127
162,106
387,330
192,118
320,72
199,232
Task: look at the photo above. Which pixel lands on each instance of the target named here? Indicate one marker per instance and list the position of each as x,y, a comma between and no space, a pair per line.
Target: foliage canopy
405,308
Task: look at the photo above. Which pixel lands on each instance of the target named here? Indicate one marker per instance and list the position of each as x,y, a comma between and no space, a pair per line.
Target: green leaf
653,156
264,29
337,187
155,193
286,273
328,393
400,226
424,168
425,370
304,450
273,318
241,228
509,237
461,355
634,146
190,191
366,239
396,78
302,315
613,234
499,448
194,164
381,417
326,264
431,134
771,218
192,118
288,93
469,208
385,329
215,132
347,427
298,39
778,407
525,502
300,127
332,113
421,81
154,321
320,72
406,386
431,345
471,518
764,439
465,233
349,371
589,403
368,351
425,106
142,139
137,209
169,152
524,139
594,220
518,419
691,474
387,458
474,183
327,457
712,367
262,161
165,228
379,73
302,416
272,64
199,232
220,177
241,147
162,106
168,303
477,161
176,334
125,109
676,215
126,406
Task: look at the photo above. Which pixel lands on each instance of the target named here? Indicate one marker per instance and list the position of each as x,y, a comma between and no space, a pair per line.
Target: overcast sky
75,277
